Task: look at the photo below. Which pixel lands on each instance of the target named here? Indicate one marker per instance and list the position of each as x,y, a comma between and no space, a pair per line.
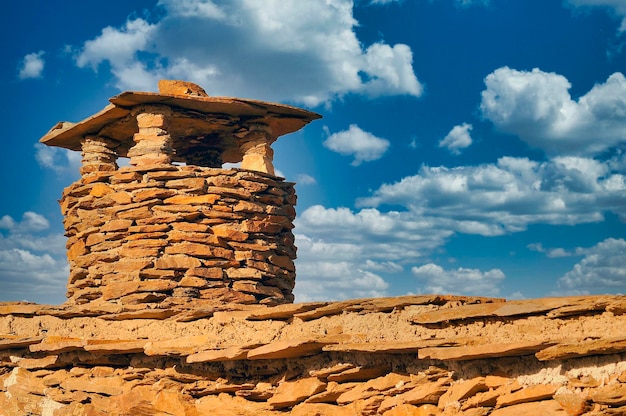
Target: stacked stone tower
174,224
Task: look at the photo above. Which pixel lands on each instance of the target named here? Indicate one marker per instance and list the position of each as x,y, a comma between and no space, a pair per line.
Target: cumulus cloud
364,146
494,199
602,270
536,106
32,259
337,281
459,138
338,247
459,281
305,52
438,202
32,66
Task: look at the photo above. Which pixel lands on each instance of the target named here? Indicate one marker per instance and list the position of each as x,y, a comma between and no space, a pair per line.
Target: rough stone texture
177,87
180,231
198,358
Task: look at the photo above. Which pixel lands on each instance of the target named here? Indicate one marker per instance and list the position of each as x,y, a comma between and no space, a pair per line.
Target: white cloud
285,50
305,179
337,281
32,65
364,146
602,270
383,266
193,8
438,202
385,236
7,222
346,254
458,138
61,161
537,107
460,281
29,234
617,6
31,221
494,199
390,71
117,46
32,259
25,275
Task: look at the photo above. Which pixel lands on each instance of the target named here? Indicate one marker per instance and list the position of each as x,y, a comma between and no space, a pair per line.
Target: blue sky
468,146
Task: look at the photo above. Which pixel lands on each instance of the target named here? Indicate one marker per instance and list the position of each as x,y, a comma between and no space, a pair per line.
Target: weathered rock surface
206,357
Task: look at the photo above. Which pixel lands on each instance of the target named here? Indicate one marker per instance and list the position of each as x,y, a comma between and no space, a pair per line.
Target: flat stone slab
475,352
193,117
583,348
568,305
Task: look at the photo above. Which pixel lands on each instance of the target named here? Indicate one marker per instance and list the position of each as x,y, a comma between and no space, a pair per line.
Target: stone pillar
256,150
153,143
98,155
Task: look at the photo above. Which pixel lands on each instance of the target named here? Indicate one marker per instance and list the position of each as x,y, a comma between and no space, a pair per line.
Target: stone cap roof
195,118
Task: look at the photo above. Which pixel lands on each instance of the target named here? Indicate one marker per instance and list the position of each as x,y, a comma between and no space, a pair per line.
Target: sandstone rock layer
390,356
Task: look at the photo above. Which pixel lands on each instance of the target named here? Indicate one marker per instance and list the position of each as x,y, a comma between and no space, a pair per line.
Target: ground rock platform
413,355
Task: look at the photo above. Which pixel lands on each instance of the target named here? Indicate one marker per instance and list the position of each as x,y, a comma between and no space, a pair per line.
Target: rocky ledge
413,355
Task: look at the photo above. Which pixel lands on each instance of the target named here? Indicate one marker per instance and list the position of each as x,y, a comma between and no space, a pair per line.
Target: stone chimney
174,224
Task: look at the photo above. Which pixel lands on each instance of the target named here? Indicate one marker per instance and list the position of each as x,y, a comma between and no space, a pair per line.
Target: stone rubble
319,358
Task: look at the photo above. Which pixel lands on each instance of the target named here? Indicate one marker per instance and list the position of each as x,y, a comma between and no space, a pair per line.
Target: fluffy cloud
602,270
536,106
305,52
120,48
364,146
32,66
384,236
31,221
460,281
337,281
32,260
346,254
458,138
61,161
436,203
494,199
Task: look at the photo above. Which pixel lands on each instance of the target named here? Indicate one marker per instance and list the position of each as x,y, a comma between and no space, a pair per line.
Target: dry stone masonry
181,231
157,228
180,291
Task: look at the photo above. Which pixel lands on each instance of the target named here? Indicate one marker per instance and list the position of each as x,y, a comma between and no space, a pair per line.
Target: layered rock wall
416,355
144,234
